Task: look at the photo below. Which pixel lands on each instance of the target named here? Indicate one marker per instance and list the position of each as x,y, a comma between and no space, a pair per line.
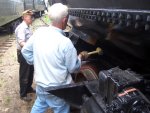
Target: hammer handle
93,52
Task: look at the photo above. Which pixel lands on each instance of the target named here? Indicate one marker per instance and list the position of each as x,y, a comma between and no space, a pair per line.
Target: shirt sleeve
21,35
27,50
72,62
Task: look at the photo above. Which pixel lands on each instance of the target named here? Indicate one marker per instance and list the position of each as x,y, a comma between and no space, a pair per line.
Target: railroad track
5,43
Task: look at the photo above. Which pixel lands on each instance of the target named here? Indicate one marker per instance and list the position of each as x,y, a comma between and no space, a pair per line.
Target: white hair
57,12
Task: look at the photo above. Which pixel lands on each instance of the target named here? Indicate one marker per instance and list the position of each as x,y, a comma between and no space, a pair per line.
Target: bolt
129,16
148,18
138,17
136,25
147,27
103,14
108,14
94,12
128,24
99,18
120,16
98,13
108,20
103,19
114,15
120,22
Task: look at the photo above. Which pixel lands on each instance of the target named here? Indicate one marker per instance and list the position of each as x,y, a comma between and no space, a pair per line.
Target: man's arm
27,50
21,37
72,61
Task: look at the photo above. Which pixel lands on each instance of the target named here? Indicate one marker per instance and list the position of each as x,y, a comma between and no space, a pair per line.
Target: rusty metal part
88,71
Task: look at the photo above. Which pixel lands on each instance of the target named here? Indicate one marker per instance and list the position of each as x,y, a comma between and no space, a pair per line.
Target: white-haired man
54,58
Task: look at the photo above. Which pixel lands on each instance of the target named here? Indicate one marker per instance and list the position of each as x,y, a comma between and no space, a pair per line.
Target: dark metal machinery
116,91
122,29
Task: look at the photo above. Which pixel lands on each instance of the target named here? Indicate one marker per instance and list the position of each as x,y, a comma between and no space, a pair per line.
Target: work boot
26,98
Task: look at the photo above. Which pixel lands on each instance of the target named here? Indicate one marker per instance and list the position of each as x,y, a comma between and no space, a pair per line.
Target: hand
84,55
22,44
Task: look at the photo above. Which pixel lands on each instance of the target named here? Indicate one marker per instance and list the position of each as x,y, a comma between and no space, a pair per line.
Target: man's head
27,16
58,14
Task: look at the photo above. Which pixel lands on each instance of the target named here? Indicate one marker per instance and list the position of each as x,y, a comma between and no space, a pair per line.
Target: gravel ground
9,84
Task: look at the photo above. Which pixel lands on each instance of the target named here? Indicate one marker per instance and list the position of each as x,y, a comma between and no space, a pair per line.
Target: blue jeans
45,100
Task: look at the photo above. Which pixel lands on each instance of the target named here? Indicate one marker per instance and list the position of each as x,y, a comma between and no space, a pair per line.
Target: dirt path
9,84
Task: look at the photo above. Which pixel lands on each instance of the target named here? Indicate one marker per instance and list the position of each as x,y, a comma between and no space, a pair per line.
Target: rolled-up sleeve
27,50
72,62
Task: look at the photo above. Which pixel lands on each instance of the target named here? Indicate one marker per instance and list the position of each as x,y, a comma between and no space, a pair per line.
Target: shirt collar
57,29
25,25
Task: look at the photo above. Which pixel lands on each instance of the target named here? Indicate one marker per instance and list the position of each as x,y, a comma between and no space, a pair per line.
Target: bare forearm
80,56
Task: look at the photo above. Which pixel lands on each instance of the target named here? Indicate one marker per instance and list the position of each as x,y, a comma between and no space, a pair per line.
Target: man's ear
65,20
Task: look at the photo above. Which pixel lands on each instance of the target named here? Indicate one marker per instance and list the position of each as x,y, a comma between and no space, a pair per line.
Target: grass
1,60
2,82
7,100
14,57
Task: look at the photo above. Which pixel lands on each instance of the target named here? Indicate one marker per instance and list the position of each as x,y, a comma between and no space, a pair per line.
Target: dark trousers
25,75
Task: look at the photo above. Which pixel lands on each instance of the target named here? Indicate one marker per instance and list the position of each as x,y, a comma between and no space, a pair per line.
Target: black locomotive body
121,75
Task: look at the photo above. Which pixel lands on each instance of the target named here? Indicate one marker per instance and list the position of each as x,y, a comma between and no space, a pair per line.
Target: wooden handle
98,51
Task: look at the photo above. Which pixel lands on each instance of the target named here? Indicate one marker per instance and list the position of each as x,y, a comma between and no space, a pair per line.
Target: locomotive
11,12
118,80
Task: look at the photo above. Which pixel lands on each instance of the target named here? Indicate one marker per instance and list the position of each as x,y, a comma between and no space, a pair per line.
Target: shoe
31,90
26,98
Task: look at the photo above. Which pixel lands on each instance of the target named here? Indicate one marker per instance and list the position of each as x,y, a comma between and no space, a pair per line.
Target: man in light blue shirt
54,58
